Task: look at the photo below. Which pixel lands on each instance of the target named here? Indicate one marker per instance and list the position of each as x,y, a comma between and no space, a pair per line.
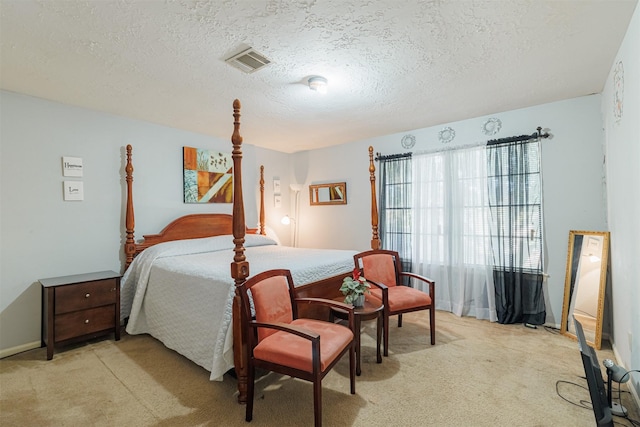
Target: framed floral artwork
208,176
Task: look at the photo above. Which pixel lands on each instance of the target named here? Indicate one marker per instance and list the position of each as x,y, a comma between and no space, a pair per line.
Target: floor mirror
585,283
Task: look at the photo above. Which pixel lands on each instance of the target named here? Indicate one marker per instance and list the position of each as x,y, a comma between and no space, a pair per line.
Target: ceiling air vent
248,61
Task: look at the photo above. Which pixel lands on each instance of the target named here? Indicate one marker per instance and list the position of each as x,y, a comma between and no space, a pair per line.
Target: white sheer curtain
451,242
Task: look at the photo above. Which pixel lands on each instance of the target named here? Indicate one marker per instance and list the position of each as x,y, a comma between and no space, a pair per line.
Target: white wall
622,139
44,236
572,162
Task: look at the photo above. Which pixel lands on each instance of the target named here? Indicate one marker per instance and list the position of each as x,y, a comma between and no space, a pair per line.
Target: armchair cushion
291,350
272,303
380,268
403,298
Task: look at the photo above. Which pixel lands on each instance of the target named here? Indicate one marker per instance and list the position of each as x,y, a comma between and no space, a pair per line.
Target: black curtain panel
395,205
515,200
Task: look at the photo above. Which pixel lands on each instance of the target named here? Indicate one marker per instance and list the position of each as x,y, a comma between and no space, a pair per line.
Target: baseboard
19,349
552,325
632,390
605,335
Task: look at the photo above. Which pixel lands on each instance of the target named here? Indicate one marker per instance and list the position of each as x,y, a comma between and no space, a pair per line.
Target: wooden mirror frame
593,333
316,198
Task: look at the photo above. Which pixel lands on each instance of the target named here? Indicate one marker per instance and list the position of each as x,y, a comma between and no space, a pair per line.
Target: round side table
372,309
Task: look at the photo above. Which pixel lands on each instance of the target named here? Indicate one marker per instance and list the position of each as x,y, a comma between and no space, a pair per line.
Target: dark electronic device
599,400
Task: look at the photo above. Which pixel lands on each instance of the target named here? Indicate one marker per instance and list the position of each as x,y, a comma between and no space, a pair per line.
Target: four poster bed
177,288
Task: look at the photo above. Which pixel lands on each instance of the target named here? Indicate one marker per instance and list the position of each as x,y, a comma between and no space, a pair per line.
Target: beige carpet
477,374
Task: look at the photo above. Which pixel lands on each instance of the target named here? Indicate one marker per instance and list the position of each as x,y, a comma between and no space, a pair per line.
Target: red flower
356,274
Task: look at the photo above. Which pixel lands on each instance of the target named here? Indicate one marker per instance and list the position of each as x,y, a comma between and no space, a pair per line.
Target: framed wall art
208,176
328,194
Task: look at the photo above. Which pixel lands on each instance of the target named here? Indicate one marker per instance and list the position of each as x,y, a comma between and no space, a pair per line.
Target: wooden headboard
194,226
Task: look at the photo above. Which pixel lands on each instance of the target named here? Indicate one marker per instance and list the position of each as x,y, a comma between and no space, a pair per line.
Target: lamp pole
295,223
296,211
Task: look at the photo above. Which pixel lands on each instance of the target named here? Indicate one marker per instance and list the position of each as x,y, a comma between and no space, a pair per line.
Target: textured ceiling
392,65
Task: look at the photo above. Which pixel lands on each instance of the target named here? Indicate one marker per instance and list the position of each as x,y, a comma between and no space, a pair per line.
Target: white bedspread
182,292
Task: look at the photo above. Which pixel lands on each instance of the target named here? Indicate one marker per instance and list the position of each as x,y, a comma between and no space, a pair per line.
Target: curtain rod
391,156
536,135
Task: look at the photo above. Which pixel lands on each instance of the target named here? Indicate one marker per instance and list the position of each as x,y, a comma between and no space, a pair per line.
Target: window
396,206
515,199
451,206
471,219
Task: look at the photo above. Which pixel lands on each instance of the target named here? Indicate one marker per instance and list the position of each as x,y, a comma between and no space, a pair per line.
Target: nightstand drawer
84,322
80,306
85,295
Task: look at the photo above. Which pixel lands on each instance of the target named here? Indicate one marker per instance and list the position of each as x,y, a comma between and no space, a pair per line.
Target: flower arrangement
354,286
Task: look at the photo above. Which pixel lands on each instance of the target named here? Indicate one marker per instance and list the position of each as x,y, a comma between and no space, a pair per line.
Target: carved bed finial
261,230
239,266
375,239
130,223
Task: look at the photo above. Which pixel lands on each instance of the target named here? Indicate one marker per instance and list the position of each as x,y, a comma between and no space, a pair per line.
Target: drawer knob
86,321
87,295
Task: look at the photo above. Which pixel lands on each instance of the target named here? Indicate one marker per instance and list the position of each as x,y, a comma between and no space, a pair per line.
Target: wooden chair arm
385,292
324,301
421,278
416,276
381,286
286,327
331,303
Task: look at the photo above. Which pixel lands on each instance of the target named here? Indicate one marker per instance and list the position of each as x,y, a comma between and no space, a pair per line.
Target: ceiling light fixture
318,83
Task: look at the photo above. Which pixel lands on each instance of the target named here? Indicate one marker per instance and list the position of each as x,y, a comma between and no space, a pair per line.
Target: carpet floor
478,374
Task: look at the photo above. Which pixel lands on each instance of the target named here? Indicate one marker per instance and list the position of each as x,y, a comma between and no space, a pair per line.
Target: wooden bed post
239,266
130,223
375,239
261,229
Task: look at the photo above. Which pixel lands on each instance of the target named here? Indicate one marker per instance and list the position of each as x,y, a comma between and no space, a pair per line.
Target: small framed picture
72,166
276,186
73,190
277,201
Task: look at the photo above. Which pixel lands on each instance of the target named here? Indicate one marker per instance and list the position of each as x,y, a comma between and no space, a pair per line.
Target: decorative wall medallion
408,141
446,135
618,90
491,126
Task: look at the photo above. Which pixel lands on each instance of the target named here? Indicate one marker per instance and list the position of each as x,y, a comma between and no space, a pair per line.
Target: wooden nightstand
79,307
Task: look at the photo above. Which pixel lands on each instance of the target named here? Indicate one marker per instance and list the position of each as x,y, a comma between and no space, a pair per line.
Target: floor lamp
296,210
286,220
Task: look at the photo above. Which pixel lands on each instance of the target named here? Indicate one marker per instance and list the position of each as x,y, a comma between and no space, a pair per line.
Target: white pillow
272,234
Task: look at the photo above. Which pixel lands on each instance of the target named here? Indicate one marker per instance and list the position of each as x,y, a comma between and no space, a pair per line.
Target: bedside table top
78,278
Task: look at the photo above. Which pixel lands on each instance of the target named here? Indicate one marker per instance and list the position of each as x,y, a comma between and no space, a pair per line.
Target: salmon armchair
279,341
382,268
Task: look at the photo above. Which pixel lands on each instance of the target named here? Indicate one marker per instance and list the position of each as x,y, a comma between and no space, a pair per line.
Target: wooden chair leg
317,402
386,335
432,325
250,390
352,368
399,320
379,327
